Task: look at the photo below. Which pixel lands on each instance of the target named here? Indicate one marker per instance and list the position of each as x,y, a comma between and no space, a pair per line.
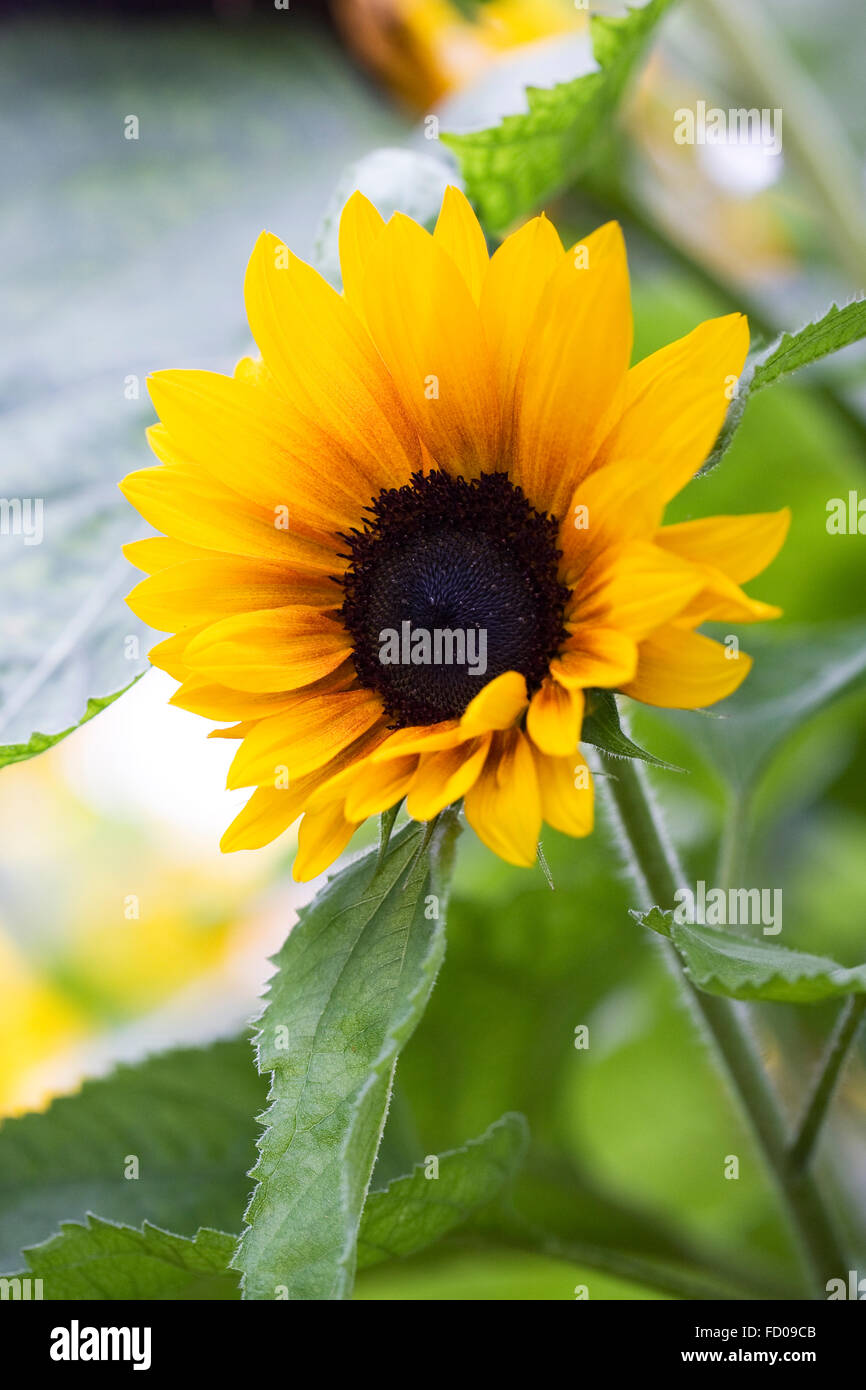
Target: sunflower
404,545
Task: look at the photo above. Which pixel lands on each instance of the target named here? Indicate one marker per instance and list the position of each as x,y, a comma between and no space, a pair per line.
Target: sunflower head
464,571
402,545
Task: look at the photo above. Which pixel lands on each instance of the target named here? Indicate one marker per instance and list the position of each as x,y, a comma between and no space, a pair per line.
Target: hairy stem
734,842
847,1024
659,876
687,1284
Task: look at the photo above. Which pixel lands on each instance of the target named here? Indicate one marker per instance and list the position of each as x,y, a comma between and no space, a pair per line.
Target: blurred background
122,928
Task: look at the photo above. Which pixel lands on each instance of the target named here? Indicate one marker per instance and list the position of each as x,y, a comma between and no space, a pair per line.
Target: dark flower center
450,583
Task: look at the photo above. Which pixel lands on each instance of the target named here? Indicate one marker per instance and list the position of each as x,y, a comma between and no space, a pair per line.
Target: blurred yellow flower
131,942
424,49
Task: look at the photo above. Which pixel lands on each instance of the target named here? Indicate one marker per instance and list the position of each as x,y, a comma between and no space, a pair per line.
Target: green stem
659,875
849,1020
734,840
669,1245
680,1284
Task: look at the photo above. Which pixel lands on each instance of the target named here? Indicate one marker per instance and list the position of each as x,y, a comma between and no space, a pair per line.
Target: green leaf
722,961
417,1210
656,919
602,728
838,328
797,671
187,1116
38,743
511,168
352,981
102,1260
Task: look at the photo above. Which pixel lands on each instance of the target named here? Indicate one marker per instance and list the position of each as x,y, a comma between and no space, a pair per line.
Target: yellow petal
268,813
325,365
238,731
566,792
635,588
496,706
516,277
272,809
214,701
740,546
190,505
554,718
617,503
253,370
276,649
504,805
257,444
573,368
596,656
345,771
428,330
203,591
684,670
303,738
361,224
676,401
442,778
419,738
321,839
721,600
161,552
170,655
378,786
458,232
